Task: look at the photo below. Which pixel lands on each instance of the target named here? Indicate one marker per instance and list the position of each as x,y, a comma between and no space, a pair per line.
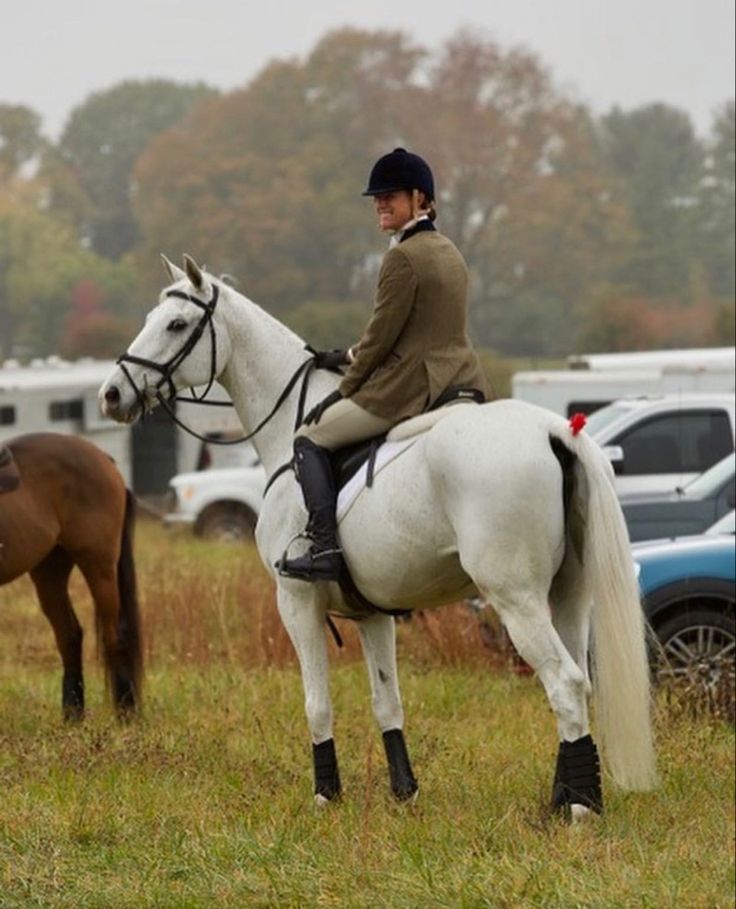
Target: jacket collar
421,225
413,227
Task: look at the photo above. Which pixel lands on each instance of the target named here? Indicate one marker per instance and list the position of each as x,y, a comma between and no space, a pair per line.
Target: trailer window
66,410
7,415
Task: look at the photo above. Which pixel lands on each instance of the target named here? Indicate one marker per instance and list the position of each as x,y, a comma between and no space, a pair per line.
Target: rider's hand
330,359
315,414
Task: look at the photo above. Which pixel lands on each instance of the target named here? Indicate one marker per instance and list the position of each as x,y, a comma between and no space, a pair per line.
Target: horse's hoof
73,714
321,801
581,814
412,799
407,795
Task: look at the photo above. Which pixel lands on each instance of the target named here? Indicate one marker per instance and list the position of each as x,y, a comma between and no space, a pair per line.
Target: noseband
168,369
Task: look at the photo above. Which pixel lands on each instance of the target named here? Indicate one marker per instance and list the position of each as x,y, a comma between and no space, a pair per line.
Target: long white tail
621,681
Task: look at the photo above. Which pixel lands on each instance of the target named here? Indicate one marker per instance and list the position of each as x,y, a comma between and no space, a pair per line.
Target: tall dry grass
205,603
204,802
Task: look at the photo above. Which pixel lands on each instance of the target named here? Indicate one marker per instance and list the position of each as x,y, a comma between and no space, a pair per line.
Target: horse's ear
173,271
194,272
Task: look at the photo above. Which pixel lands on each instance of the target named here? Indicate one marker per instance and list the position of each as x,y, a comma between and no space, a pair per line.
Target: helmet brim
385,189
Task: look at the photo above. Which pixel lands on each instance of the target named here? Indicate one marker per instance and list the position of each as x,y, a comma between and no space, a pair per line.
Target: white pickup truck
657,443
220,502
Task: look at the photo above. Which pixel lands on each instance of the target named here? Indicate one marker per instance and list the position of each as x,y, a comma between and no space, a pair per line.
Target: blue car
688,588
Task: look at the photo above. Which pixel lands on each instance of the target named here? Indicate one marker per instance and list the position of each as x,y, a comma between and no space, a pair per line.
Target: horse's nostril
112,395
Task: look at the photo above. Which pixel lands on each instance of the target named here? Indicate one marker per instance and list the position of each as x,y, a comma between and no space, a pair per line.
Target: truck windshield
726,524
712,479
599,419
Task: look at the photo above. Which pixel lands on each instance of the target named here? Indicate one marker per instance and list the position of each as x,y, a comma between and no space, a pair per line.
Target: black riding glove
330,359
315,414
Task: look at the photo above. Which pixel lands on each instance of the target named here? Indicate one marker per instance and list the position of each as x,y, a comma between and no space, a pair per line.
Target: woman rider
413,349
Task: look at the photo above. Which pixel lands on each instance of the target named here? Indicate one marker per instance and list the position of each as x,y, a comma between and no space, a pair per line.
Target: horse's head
179,347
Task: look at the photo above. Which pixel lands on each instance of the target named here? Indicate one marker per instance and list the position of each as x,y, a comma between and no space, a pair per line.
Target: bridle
168,369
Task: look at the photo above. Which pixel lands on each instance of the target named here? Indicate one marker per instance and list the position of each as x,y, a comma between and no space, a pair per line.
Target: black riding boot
323,562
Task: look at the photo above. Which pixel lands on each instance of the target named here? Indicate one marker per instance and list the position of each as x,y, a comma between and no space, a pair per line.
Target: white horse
474,506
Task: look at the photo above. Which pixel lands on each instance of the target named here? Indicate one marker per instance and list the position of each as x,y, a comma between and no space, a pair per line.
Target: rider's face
393,209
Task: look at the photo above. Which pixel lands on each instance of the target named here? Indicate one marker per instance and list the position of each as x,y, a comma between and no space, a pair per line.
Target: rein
168,368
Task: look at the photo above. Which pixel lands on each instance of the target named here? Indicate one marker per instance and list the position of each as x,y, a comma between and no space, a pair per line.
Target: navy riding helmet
401,169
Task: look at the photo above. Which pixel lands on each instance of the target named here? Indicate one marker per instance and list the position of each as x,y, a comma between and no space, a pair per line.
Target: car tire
226,521
697,648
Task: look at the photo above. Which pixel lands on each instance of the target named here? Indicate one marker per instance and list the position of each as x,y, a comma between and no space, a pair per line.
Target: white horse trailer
709,359
58,396
595,380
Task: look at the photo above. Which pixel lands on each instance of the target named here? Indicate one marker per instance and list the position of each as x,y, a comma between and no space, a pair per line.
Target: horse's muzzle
113,405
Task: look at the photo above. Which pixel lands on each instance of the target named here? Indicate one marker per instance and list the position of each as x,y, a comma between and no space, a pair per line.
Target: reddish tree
89,330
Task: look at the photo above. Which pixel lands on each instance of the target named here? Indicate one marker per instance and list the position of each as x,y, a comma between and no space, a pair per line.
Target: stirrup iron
310,569
302,535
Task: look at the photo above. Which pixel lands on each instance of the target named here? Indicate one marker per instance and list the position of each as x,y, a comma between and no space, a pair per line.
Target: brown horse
64,503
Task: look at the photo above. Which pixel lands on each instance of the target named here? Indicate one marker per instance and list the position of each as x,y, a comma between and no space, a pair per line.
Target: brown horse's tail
129,624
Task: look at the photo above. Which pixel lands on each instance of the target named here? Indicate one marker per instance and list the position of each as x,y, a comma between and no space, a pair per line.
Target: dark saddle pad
346,462
9,476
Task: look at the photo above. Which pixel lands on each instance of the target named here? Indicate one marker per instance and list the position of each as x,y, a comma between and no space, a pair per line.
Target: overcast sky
53,53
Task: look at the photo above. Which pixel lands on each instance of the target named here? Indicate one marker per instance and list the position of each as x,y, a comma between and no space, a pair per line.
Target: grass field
205,800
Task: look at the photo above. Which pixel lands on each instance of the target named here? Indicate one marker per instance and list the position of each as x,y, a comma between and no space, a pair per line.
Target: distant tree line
581,232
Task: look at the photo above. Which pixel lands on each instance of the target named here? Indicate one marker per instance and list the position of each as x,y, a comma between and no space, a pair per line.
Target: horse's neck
265,355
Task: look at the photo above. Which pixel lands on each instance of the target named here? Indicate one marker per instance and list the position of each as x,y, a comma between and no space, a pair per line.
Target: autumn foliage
580,232
89,330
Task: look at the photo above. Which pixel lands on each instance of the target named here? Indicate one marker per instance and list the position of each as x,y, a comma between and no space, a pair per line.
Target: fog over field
624,54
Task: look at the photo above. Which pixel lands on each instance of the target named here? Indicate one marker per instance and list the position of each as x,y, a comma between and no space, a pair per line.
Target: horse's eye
176,325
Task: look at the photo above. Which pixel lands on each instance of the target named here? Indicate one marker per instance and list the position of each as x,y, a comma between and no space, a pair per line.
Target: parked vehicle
54,395
689,510
657,443
594,380
221,502
688,588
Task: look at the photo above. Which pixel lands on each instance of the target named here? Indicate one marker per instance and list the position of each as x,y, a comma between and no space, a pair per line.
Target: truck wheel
227,521
698,653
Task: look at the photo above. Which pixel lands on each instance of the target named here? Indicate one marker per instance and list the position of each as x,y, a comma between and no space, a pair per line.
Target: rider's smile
393,210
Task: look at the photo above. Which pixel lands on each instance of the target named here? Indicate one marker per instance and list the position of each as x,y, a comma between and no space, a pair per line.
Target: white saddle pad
401,437
388,452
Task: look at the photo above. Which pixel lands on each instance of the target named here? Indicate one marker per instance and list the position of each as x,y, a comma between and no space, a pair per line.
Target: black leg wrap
403,781
326,773
72,696
577,777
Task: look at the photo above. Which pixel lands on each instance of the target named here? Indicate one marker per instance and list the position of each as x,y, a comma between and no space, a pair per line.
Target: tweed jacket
415,344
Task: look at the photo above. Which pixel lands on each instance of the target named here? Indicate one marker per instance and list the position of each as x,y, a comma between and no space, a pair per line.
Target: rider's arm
397,285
